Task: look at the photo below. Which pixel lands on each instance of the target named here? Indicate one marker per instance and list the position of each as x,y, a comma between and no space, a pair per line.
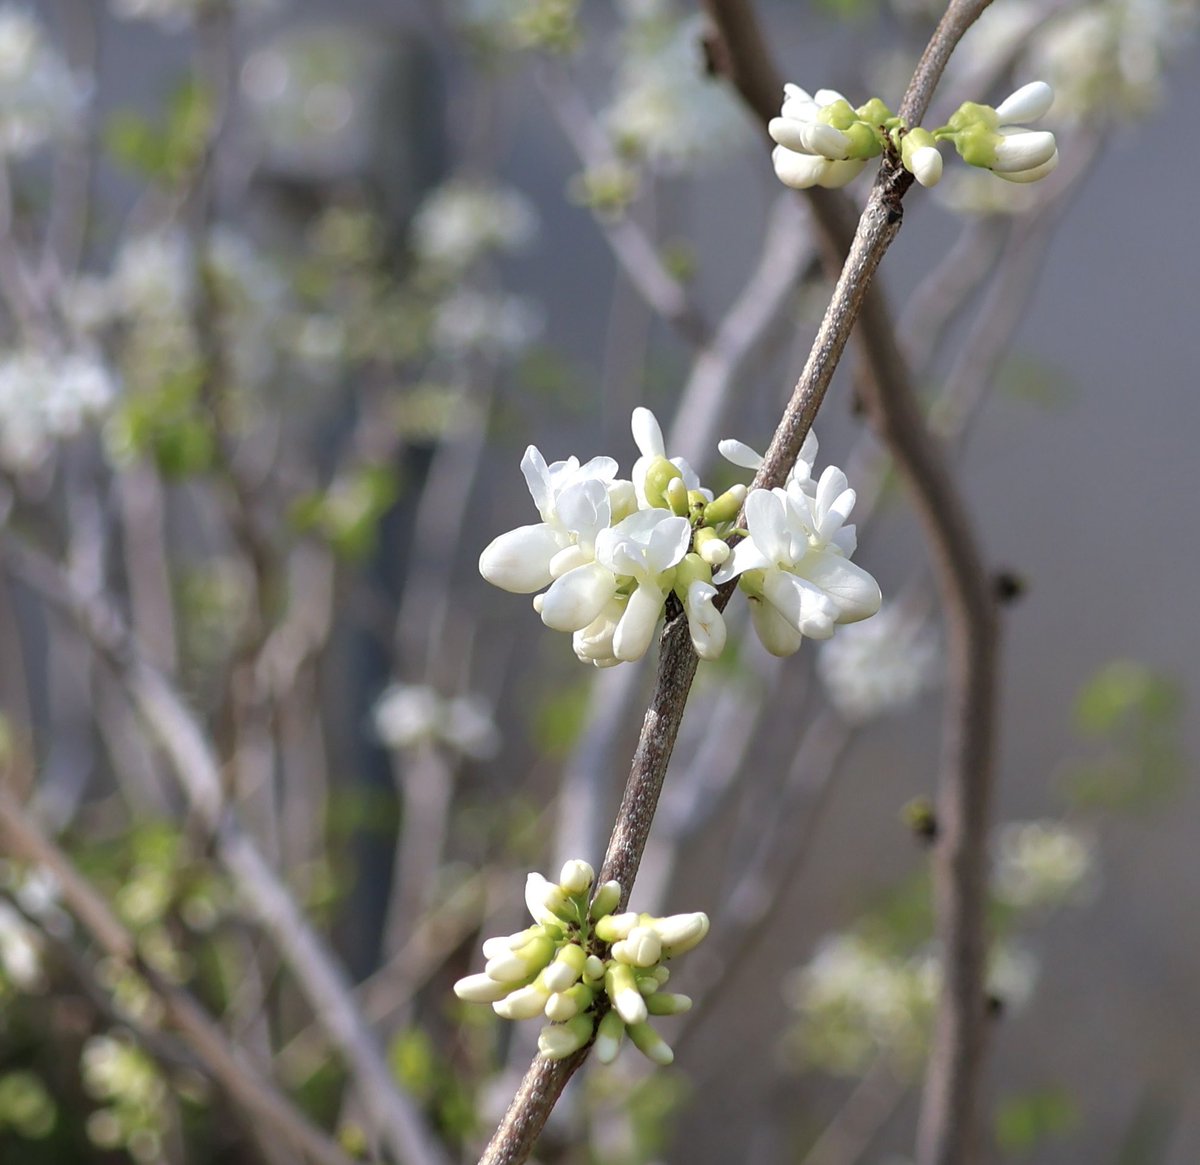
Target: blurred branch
259,1099
949,1111
315,969
633,248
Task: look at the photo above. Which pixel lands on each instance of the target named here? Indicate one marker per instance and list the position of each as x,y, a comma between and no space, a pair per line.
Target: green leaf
1026,1120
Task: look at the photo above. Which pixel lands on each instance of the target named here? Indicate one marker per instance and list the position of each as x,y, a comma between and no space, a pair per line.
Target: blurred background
289,286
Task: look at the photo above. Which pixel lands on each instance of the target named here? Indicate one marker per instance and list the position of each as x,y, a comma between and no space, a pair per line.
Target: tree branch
949,1116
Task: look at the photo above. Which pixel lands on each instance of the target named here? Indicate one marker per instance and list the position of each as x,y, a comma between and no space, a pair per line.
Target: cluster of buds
590,972
611,551
823,141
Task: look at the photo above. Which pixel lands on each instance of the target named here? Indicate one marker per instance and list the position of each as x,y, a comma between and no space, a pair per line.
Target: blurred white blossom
40,99
1042,863
666,108
45,397
411,715
880,665
461,221
495,324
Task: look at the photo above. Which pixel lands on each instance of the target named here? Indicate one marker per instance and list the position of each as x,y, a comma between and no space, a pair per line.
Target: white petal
852,589
799,171
746,556
739,453
788,132
1027,104
819,138
669,542
775,633
1023,149
837,174
539,894
647,433
583,508
1023,176
578,597
927,165
636,629
602,468
481,989
825,97
804,605
705,623
519,561
766,520
537,478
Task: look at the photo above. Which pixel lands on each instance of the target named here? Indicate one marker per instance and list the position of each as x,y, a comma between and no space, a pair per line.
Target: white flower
740,454
409,715
810,152
879,666
461,221
803,582
467,725
520,560
927,166
706,625
39,97
1042,863
643,547
20,950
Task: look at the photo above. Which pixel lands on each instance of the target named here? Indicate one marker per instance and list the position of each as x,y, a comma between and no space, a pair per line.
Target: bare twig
260,1099
948,1121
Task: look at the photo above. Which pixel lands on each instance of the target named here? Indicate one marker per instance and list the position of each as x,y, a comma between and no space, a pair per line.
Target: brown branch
260,1100
949,1110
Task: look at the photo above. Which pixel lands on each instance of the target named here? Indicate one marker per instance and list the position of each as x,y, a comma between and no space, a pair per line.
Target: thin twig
949,1111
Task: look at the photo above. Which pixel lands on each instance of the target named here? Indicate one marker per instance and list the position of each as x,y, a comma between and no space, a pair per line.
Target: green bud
565,1005
566,967
659,475
726,507
864,141
696,500
840,115
606,900
560,1040
977,146
593,969
650,1044
665,1003
970,115
711,547
676,494
692,567
875,112
613,927
751,581
609,1035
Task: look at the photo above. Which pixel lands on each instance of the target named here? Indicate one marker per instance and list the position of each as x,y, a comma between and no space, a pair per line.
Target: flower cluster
823,141
611,551
461,221
1042,864
590,972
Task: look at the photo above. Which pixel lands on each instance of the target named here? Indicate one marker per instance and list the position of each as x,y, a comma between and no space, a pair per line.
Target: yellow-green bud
650,1044
726,507
840,114
711,547
751,581
692,567
676,494
864,141
557,1041
875,112
566,967
609,1035
593,969
664,1003
605,902
565,1005
620,984
659,474
613,927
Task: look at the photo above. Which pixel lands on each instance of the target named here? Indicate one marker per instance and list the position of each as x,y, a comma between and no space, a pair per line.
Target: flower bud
546,902
614,927
564,1005
659,474
726,507
593,969
681,932
609,1035
576,877
621,987
523,1003
481,989
650,1044
557,1041
515,966
605,902
566,967
676,495
711,547
642,948
664,1003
